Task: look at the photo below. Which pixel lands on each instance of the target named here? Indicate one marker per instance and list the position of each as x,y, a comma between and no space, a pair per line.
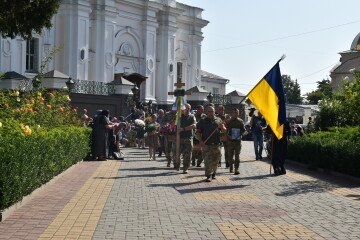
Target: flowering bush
40,136
28,112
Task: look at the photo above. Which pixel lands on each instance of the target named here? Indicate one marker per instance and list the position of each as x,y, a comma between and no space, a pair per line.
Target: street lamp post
135,91
70,84
209,97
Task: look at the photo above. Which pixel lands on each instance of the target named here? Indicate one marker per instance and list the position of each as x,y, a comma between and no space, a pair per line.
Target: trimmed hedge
337,150
28,162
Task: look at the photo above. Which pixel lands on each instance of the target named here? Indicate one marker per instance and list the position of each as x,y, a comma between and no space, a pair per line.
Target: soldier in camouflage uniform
197,154
221,114
210,143
168,119
187,124
235,129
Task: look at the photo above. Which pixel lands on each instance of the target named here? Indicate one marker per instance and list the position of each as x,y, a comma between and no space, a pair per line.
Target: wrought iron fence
221,99
26,85
92,87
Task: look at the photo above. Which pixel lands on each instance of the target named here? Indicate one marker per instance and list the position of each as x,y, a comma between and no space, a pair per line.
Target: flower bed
40,137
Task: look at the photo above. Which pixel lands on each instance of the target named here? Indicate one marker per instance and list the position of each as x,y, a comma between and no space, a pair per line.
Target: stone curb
10,210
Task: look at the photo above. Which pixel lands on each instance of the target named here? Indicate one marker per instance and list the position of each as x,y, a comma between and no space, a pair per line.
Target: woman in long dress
152,139
100,139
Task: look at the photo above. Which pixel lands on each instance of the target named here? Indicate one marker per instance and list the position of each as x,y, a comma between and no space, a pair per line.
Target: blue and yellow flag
268,97
180,105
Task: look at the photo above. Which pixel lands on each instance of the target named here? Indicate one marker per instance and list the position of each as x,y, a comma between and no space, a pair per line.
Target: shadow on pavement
140,175
199,186
259,177
146,169
357,196
303,187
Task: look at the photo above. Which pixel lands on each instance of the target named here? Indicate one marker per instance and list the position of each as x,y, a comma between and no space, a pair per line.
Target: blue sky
244,39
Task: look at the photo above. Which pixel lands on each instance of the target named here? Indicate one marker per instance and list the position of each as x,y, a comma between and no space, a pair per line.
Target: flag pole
281,58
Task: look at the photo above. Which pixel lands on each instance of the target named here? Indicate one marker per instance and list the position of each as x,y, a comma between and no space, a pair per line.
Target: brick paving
31,220
141,199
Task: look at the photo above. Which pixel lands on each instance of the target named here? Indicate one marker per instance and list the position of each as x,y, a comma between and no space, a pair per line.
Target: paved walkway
141,199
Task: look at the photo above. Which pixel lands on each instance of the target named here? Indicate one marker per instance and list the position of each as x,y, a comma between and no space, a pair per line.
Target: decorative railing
26,85
221,99
92,87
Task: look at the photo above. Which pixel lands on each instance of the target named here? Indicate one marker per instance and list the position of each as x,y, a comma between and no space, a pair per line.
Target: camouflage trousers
227,152
197,155
168,149
186,147
212,157
234,148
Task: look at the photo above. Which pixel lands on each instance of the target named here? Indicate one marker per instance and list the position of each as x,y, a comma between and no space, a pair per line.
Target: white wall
144,37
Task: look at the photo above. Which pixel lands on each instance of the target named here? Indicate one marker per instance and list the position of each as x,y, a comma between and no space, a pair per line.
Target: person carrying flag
187,124
269,98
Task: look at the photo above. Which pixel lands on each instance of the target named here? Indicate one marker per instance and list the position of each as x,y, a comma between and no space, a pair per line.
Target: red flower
30,110
21,109
51,94
6,105
74,109
48,106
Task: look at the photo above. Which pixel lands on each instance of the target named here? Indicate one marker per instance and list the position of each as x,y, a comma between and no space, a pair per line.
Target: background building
151,43
349,61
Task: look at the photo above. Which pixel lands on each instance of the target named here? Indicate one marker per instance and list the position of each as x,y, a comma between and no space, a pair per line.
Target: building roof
300,106
355,45
55,74
13,75
236,94
211,75
197,89
121,80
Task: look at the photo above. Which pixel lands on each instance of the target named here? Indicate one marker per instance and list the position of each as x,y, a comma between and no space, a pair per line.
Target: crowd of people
202,134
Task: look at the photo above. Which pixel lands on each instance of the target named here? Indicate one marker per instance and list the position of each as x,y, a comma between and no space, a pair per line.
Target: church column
72,33
195,55
149,29
101,50
166,73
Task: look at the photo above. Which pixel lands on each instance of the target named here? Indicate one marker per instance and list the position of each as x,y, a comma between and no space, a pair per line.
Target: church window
82,54
32,55
215,91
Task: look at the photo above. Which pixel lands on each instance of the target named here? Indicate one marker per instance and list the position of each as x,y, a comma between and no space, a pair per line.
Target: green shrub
27,162
336,150
343,108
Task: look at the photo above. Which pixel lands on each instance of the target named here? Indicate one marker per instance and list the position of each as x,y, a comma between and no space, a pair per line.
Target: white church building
157,39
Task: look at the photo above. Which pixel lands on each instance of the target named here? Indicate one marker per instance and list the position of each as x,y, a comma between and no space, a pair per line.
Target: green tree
343,108
323,91
292,90
23,17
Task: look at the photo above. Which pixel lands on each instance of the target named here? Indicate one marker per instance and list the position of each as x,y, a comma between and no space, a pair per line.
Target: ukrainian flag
268,97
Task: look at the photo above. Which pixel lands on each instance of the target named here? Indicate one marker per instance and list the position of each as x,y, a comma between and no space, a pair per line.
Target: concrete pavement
141,199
